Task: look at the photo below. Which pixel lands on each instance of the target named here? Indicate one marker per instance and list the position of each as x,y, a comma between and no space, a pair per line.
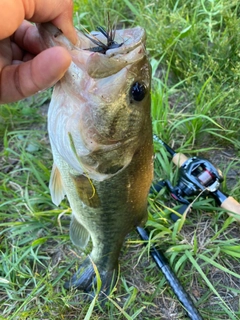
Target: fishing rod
172,279
196,175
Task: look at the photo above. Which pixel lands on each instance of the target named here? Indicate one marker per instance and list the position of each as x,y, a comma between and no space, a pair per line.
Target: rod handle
179,159
232,205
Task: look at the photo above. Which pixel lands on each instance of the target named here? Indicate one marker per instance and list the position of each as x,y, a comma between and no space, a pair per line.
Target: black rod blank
170,276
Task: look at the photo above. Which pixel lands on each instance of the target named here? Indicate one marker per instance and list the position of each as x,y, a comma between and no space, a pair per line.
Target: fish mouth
121,42
115,42
127,47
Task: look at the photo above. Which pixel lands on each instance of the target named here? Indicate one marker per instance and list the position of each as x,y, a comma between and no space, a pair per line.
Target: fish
100,131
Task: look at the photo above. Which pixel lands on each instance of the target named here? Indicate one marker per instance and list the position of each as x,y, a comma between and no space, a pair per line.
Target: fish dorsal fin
56,186
78,234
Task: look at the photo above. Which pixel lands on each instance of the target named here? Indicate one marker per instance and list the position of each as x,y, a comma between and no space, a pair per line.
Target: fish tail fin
78,234
87,279
56,186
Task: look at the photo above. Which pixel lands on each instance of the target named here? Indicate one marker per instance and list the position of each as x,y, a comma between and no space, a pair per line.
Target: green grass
194,50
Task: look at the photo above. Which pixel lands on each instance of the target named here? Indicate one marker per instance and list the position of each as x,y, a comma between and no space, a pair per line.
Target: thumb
25,79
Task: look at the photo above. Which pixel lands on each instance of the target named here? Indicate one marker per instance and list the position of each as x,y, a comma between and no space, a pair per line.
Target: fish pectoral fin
78,234
56,186
86,191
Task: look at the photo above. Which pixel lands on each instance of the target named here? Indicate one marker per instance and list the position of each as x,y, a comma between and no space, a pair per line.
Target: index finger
59,12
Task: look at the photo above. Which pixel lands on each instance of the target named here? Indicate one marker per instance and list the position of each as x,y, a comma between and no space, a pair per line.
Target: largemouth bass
100,132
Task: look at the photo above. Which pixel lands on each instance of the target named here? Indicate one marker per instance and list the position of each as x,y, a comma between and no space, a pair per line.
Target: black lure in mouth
102,47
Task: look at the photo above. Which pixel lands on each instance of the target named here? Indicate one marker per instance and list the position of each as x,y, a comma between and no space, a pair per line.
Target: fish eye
138,91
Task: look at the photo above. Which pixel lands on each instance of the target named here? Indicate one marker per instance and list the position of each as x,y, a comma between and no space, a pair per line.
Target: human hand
25,67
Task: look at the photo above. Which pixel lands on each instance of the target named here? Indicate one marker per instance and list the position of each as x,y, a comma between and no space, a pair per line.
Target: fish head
119,88
103,100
